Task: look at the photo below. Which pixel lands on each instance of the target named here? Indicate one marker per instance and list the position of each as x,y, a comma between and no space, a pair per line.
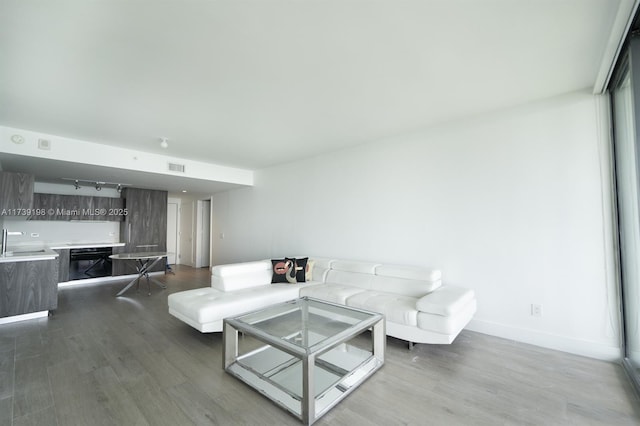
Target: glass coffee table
307,354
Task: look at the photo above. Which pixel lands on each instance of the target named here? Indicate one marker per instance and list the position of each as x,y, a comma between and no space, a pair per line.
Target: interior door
203,232
172,232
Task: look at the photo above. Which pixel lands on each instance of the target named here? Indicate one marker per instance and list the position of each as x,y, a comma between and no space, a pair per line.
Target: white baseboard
551,341
24,317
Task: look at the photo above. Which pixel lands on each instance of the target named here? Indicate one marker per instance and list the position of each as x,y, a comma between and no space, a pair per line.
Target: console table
143,262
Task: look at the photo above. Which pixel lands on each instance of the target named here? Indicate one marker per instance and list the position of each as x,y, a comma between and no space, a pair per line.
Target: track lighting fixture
98,185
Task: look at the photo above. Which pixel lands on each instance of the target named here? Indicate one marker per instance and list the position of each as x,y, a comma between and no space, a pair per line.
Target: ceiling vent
175,167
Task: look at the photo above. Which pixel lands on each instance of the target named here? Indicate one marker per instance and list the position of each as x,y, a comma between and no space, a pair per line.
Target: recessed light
17,139
184,190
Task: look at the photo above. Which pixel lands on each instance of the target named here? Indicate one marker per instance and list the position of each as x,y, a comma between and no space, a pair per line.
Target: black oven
91,262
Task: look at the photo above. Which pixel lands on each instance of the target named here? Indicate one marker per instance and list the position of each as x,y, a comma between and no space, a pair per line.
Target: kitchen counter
26,255
28,284
37,252
84,245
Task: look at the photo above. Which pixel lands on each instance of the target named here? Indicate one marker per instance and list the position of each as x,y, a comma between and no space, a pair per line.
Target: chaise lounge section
417,307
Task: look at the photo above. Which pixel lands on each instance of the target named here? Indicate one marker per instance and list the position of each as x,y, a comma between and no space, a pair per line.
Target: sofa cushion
354,266
308,270
406,287
352,279
447,300
321,267
332,292
409,272
205,305
301,269
396,308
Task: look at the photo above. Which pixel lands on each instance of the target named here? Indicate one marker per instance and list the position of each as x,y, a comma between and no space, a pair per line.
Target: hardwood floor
101,360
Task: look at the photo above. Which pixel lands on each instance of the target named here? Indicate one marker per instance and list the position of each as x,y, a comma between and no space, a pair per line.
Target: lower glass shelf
278,375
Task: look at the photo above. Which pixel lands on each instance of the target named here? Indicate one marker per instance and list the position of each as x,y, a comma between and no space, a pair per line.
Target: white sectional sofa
417,307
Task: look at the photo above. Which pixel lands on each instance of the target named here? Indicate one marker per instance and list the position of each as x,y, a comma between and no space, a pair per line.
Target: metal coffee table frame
307,373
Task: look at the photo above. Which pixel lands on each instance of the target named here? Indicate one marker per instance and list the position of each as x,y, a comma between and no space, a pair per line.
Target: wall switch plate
536,310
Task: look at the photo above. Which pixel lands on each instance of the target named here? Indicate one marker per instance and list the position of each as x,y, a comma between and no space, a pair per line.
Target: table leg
142,267
308,390
379,340
128,286
229,345
145,267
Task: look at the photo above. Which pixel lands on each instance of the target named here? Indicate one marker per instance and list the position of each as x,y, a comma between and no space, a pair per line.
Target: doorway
172,231
203,233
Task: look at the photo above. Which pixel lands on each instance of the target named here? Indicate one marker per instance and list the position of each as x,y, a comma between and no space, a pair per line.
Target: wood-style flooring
102,360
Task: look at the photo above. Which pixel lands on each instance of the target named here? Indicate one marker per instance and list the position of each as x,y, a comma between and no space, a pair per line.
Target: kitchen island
28,284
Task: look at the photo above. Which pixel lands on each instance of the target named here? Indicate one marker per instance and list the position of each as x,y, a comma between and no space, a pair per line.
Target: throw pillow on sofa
284,270
308,276
301,269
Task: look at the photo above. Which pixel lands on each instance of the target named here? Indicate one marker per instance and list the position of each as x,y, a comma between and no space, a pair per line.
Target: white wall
513,204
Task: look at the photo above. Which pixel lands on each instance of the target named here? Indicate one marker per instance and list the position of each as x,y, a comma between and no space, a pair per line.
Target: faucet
5,234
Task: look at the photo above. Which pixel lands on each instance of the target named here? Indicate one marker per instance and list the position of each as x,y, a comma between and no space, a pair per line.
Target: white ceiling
256,83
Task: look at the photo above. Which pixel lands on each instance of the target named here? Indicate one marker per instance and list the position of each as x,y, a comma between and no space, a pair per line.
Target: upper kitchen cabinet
16,190
76,207
144,227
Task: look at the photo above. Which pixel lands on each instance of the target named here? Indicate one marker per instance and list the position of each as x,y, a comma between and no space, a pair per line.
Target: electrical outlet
44,144
536,310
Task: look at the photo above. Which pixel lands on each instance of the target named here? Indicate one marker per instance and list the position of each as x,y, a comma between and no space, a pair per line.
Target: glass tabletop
139,255
305,323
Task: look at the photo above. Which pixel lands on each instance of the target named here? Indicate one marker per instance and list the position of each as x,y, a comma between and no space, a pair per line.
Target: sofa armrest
237,276
445,301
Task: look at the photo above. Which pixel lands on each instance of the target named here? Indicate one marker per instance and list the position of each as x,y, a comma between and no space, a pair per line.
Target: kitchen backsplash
50,232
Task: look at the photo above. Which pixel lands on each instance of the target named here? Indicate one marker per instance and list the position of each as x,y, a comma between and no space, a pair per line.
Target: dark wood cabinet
16,193
63,264
27,287
144,227
50,207
76,207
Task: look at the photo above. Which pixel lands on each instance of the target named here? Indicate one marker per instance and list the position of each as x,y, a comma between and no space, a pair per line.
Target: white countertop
31,252
84,245
140,256
28,256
